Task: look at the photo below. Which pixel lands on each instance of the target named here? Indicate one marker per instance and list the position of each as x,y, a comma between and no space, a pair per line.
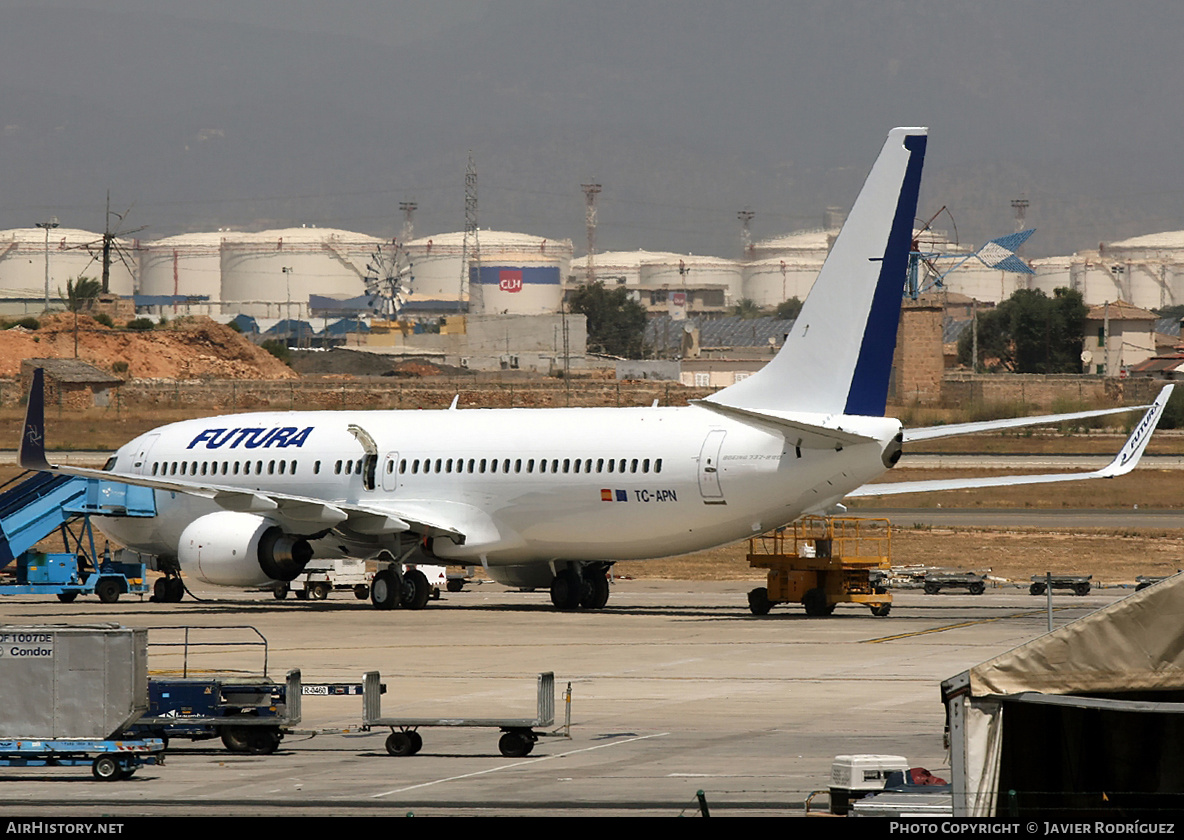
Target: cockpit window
110,465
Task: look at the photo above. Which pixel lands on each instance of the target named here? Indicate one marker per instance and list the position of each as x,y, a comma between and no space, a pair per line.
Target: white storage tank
613,268
769,282
674,271
436,261
73,253
272,273
188,264
517,287
803,247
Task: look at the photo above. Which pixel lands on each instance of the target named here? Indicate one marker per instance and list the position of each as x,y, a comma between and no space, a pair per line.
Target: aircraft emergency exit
553,497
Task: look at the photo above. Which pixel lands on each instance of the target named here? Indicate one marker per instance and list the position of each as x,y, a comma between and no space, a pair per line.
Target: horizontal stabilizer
806,434
1123,462
953,429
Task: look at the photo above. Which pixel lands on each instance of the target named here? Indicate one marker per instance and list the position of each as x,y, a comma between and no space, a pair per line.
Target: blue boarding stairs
35,505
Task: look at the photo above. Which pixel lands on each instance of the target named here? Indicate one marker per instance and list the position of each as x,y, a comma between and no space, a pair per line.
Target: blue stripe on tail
868,394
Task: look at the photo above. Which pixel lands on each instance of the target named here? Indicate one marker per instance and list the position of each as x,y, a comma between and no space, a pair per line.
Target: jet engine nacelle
241,549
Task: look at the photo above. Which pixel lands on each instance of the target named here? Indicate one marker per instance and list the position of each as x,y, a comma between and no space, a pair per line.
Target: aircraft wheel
566,589
758,601
416,741
280,591
108,590
595,589
385,590
416,590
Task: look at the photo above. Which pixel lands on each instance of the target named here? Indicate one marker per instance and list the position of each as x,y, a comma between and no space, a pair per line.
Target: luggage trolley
518,734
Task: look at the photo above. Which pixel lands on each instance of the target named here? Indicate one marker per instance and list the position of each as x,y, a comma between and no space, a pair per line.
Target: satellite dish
1086,357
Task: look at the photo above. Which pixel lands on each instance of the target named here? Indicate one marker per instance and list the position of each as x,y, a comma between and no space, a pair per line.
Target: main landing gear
583,586
409,590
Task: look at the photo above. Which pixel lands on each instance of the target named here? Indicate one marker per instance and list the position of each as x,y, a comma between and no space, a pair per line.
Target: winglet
1132,450
31,454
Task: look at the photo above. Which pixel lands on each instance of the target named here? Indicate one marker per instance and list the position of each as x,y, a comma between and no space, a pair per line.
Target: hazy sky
260,113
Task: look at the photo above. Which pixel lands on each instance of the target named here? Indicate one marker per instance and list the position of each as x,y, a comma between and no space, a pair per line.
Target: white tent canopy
1132,647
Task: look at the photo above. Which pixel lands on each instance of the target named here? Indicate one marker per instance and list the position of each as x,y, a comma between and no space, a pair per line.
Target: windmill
997,253
388,279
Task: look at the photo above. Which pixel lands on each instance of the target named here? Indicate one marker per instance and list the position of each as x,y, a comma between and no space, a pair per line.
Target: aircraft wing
301,513
1123,462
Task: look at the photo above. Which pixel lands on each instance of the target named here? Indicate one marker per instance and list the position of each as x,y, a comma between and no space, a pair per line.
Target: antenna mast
471,230
590,193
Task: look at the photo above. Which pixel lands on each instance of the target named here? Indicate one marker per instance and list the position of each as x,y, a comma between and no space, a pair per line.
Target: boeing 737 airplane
553,497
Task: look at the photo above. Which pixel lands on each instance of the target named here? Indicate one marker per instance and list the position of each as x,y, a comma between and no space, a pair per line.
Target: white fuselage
524,485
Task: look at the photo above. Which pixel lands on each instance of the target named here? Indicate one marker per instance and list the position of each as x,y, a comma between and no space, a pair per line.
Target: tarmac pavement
676,688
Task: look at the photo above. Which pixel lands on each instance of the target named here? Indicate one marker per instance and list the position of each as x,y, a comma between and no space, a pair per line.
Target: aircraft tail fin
838,357
31,454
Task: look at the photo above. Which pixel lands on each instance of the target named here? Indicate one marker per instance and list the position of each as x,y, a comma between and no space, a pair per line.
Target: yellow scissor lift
821,561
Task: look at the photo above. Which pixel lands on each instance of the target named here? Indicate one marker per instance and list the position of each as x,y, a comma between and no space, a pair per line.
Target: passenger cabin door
390,472
140,465
709,486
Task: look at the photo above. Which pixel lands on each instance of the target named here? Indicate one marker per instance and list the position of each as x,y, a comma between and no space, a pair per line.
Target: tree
1031,333
788,310
81,293
747,309
616,324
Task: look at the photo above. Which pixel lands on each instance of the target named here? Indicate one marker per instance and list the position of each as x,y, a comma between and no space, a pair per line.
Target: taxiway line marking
957,626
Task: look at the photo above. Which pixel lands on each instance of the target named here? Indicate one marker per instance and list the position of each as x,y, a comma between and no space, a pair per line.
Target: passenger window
645,465
316,467
633,466
658,465
506,465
